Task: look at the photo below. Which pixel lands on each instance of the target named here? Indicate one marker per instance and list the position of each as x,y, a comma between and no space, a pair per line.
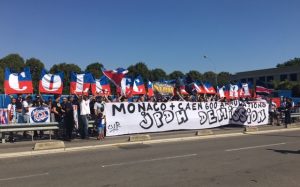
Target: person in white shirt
84,103
26,104
12,110
12,116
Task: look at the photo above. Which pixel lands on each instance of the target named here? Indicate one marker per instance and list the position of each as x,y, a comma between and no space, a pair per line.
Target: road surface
271,159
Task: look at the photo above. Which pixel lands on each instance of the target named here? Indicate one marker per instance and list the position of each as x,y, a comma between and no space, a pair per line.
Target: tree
66,69
223,78
296,90
95,69
157,74
193,75
210,77
36,67
139,68
13,61
176,74
292,62
1,80
285,85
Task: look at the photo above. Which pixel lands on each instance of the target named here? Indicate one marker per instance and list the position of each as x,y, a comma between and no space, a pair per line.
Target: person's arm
55,111
79,98
181,98
106,99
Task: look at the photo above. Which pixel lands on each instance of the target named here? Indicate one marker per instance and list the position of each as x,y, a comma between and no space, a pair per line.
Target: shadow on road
285,151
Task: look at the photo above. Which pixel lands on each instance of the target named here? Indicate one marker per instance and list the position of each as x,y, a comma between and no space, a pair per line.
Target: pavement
265,158
26,146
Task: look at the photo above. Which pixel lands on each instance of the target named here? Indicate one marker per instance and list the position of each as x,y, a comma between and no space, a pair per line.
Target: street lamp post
215,68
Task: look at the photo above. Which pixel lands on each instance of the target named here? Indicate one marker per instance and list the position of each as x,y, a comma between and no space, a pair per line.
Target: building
290,73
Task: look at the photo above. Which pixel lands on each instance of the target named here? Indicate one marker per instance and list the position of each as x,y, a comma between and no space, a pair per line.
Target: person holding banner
12,115
38,102
56,108
99,117
25,110
19,109
84,103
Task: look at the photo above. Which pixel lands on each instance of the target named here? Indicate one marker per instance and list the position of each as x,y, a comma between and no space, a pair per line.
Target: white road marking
253,147
23,177
149,160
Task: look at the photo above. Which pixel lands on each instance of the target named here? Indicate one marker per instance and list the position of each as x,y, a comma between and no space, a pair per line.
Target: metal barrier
18,127
295,115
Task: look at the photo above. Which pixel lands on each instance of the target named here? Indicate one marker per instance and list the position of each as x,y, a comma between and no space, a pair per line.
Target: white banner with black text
130,118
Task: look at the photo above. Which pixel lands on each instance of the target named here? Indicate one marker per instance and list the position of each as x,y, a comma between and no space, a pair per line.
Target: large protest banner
129,118
39,115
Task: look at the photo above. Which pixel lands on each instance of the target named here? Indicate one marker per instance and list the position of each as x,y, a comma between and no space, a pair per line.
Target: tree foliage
176,75
210,77
66,69
139,68
193,75
285,85
16,63
36,67
223,78
13,61
292,62
296,90
95,69
158,74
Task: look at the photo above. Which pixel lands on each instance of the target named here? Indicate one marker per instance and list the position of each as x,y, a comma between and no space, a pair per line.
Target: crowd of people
62,111
88,108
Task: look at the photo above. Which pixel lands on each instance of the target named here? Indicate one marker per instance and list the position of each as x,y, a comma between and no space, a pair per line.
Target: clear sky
235,35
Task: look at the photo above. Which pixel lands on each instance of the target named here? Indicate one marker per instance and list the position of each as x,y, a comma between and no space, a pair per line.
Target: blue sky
236,35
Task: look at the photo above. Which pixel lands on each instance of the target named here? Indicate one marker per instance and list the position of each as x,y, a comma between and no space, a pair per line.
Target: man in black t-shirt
67,110
56,109
19,107
287,112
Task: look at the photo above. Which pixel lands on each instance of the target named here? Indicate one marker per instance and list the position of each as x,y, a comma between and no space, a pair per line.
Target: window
293,77
263,79
283,77
270,78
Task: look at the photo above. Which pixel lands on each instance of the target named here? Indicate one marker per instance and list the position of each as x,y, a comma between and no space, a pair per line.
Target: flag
18,83
226,89
126,86
102,86
181,87
116,75
182,90
221,91
150,89
233,91
51,83
81,83
245,90
209,89
262,88
196,86
138,86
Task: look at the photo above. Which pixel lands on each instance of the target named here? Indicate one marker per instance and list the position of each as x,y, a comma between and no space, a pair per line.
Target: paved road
252,160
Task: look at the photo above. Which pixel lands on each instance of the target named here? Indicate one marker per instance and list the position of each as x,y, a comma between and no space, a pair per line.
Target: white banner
129,118
39,115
